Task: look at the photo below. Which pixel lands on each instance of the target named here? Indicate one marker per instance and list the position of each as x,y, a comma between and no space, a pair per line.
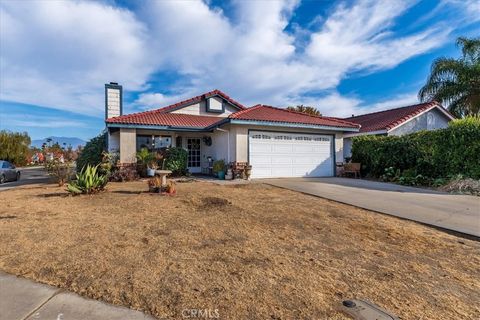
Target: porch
203,147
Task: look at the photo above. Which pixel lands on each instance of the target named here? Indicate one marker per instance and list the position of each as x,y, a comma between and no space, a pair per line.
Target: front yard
250,251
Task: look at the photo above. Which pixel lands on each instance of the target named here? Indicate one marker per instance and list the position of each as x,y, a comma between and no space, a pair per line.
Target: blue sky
343,57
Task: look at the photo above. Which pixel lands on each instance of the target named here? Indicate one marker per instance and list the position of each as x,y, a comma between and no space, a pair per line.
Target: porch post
128,145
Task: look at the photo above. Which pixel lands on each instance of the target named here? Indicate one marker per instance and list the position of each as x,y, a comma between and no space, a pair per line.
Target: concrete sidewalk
459,213
22,299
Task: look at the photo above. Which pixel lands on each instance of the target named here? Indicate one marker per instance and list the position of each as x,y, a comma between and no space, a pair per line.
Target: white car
8,172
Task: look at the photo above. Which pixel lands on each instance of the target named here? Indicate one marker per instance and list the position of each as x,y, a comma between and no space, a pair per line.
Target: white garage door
282,154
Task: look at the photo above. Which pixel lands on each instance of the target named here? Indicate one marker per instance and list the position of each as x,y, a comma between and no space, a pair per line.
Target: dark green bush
176,161
92,152
427,154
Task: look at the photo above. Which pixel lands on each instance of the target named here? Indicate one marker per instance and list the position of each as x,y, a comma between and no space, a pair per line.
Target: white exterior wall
200,109
114,141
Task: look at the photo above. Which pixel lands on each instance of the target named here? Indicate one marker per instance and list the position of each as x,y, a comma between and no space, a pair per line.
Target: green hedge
434,154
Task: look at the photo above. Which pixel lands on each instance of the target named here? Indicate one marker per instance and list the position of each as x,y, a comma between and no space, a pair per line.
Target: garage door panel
282,148
261,147
290,155
303,148
282,160
263,160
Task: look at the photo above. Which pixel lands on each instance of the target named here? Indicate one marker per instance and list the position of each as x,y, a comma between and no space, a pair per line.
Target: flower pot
221,175
248,172
150,172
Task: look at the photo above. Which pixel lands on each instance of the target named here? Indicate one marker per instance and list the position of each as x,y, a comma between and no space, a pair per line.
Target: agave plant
88,181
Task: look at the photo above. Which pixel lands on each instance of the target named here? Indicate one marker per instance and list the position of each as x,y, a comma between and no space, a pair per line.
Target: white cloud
255,60
59,53
358,38
157,100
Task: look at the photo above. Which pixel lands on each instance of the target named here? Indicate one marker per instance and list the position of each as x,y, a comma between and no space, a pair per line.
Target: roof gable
199,98
387,120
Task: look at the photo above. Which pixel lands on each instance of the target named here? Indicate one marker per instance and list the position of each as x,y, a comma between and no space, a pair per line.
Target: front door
194,161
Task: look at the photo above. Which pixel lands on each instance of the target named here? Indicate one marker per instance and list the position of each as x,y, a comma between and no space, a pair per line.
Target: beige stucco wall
241,140
200,109
128,145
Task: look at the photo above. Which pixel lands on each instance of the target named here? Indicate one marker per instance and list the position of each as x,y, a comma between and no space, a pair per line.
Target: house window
144,141
152,142
178,142
162,142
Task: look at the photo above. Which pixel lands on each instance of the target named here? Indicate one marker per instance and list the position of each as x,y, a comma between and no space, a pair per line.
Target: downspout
228,142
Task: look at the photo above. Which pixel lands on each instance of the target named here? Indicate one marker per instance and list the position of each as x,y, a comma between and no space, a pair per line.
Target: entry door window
193,149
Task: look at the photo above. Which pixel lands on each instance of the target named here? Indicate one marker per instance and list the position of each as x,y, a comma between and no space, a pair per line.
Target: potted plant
143,158
151,167
219,169
155,185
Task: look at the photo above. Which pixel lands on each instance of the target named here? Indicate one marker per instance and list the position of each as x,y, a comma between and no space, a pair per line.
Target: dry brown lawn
251,251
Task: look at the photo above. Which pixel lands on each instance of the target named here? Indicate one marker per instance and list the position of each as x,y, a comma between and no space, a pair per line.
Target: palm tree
305,109
456,82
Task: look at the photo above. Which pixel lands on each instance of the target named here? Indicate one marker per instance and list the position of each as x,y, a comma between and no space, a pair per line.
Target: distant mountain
74,142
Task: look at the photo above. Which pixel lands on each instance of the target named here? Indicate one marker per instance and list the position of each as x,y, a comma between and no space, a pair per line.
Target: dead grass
252,252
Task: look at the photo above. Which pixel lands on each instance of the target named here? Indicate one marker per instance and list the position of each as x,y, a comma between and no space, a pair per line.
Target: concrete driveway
459,213
29,175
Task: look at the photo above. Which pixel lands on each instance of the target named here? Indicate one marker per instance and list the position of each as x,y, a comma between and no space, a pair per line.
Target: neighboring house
276,142
398,121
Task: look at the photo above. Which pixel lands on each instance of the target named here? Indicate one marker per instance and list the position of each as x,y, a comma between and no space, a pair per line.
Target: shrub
61,171
88,181
14,147
218,166
92,153
176,161
430,154
124,173
109,162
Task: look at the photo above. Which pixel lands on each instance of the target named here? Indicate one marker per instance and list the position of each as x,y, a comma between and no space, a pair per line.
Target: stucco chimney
113,100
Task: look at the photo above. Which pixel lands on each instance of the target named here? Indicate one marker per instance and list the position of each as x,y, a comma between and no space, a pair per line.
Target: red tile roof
166,119
389,119
273,114
200,98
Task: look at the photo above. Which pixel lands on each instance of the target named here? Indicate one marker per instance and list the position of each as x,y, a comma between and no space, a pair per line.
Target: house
398,121
275,141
